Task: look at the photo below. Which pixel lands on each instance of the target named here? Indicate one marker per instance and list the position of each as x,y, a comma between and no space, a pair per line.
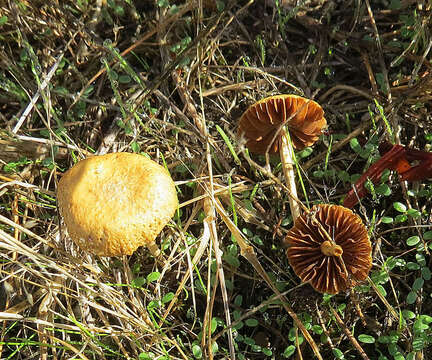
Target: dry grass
170,79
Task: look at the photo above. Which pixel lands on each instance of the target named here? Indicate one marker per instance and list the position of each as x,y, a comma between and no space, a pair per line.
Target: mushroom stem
329,248
286,154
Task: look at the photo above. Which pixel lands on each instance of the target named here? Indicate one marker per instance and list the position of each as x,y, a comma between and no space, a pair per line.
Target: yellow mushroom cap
114,203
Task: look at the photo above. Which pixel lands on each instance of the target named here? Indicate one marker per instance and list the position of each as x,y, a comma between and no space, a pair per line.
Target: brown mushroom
114,203
329,247
263,127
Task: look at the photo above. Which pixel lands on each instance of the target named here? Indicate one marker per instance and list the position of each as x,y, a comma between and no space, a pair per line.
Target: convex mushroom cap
269,125
114,203
329,247
261,121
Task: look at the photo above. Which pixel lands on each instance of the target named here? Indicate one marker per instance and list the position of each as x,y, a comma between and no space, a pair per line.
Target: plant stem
154,249
248,252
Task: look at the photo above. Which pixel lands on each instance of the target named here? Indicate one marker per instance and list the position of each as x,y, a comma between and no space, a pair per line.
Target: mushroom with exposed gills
279,123
329,248
114,203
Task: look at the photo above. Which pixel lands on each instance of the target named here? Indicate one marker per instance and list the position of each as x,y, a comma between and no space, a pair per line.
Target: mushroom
263,126
329,247
114,203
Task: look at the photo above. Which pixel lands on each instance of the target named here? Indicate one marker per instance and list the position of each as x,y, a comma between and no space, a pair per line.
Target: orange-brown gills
261,121
335,264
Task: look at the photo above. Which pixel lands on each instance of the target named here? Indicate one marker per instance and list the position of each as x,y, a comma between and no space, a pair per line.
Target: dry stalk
203,243
72,348
348,88
250,312
248,252
200,123
380,51
297,342
270,175
324,327
383,299
350,336
181,11
220,191
371,74
337,146
14,150
40,91
249,216
234,87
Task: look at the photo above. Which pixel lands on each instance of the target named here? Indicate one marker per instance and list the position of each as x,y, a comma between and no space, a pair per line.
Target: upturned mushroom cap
329,266
114,203
260,122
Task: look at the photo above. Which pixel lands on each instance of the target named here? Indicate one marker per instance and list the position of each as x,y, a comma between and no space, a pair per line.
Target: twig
36,96
203,242
324,327
340,144
372,80
248,252
383,299
149,34
53,143
380,51
252,311
348,88
348,333
234,87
